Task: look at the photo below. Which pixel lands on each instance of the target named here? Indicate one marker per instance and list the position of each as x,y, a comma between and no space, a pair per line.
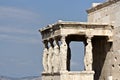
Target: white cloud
18,14
17,31
74,64
19,39
9,29
11,34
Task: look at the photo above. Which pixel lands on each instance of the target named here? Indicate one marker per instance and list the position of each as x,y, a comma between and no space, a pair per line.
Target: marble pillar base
72,75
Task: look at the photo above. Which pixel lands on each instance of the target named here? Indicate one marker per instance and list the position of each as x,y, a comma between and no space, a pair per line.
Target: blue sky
20,41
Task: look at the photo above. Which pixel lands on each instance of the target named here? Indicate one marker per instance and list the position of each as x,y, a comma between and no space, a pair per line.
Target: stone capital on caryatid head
45,43
63,38
88,39
56,41
89,36
51,42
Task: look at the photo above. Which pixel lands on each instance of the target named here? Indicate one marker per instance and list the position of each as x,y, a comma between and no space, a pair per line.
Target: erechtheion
101,37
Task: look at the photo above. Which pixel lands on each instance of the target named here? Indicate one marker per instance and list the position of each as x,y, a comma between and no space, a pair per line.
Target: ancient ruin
101,38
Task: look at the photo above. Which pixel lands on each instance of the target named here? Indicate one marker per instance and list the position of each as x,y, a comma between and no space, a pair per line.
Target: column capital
45,43
63,38
56,42
89,36
51,42
65,35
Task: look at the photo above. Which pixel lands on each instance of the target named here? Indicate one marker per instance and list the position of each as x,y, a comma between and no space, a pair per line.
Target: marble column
63,54
56,56
50,57
88,58
45,56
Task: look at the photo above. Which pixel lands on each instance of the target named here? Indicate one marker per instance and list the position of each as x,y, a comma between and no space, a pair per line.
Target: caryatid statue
88,59
56,59
50,57
63,54
45,56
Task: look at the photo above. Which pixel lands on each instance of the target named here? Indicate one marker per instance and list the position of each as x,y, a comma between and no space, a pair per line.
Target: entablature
76,28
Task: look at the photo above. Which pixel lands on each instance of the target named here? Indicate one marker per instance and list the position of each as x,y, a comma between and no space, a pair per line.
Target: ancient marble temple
101,38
